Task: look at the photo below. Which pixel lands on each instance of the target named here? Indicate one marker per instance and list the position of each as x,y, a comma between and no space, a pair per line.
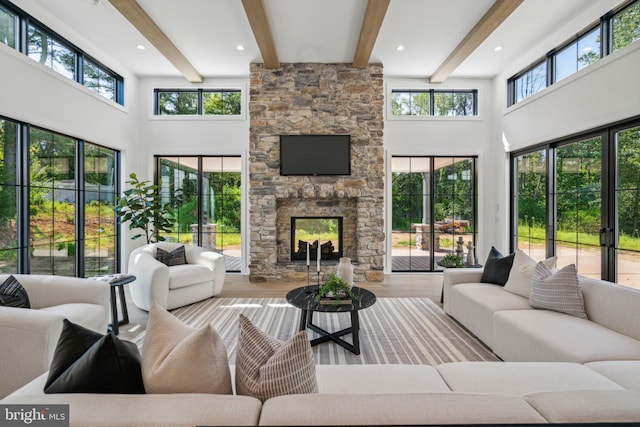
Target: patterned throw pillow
175,257
13,294
559,291
267,367
180,359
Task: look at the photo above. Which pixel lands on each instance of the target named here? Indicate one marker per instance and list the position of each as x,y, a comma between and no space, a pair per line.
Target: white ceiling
208,31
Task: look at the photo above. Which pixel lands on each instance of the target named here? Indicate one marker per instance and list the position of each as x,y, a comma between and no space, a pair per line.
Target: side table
117,281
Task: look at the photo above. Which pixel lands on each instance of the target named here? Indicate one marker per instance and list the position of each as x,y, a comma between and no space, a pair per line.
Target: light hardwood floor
399,285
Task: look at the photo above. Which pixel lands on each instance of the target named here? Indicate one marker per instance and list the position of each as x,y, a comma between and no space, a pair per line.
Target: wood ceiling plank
135,14
257,15
373,17
491,20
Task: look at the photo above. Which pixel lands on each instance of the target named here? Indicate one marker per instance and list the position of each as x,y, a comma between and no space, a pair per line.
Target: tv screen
315,155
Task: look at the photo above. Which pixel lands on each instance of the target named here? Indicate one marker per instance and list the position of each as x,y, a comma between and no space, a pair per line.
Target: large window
216,102
8,27
579,199
577,53
57,197
9,193
53,51
434,102
433,207
209,211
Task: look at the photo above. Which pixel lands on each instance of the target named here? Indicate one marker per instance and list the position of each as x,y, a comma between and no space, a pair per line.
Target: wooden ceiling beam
135,14
491,20
373,17
257,15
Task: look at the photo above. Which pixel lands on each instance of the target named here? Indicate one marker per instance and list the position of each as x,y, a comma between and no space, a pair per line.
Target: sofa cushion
13,294
180,359
397,409
521,378
549,336
175,257
588,406
623,372
379,378
85,361
497,267
267,367
521,272
151,410
473,305
90,316
558,291
181,276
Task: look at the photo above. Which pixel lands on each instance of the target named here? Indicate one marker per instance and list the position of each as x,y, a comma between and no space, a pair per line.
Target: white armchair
29,336
171,287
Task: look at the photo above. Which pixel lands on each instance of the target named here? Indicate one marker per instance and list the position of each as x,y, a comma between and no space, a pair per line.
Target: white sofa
171,287
29,336
452,393
515,331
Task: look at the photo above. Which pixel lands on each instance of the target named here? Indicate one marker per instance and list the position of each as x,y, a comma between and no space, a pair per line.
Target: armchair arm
30,338
214,261
152,279
454,276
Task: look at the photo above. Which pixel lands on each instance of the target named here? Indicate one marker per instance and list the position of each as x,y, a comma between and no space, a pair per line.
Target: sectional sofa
569,377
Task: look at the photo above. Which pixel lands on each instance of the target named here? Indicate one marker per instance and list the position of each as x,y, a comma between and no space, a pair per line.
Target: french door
580,200
433,208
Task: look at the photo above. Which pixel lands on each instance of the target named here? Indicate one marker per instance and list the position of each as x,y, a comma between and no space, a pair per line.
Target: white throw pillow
519,281
177,358
559,291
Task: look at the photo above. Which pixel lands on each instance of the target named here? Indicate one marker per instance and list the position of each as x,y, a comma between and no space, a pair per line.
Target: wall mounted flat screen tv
315,155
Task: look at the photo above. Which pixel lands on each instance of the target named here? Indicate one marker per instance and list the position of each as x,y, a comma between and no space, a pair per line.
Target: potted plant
335,291
451,261
142,207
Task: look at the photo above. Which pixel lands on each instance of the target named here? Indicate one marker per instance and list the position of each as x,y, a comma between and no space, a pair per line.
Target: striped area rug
393,330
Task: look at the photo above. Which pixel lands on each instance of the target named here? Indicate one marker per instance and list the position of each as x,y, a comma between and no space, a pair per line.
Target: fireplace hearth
310,233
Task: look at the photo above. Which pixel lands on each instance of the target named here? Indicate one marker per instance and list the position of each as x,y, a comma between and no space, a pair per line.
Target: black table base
306,321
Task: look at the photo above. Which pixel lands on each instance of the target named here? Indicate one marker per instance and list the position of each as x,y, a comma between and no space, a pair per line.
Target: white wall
447,136
180,135
601,94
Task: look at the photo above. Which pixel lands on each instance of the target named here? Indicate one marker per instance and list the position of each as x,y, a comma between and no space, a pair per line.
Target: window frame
432,92
605,23
24,21
200,103
24,186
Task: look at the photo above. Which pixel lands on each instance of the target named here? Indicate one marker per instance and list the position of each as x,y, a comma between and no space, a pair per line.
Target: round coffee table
304,298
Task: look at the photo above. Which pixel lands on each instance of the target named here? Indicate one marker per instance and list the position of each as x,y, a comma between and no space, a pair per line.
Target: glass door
433,210
625,229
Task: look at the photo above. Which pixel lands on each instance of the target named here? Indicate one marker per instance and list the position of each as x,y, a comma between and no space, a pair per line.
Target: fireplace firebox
308,234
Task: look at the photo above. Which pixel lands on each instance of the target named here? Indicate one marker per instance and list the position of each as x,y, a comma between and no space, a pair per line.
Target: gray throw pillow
13,294
177,256
559,291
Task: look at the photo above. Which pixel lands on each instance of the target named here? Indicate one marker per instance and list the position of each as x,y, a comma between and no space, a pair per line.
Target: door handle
603,236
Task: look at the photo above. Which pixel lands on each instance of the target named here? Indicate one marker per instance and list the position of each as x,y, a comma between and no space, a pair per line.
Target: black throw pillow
13,294
177,256
88,362
497,268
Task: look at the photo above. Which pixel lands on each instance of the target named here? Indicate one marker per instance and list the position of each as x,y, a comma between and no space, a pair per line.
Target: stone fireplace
316,99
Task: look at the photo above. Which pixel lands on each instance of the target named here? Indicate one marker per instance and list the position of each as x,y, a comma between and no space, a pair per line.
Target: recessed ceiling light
95,2
400,48
141,47
498,48
240,47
